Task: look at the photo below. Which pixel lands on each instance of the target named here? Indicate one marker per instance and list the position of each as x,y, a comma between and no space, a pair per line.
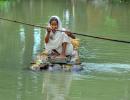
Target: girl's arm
47,35
63,53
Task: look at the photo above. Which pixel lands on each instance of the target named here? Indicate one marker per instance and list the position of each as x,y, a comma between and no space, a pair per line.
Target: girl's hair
53,19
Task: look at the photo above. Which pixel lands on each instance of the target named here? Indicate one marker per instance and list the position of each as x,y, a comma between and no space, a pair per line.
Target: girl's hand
49,29
70,34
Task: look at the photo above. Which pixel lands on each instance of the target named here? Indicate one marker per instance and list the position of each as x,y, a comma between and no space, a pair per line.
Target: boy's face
54,25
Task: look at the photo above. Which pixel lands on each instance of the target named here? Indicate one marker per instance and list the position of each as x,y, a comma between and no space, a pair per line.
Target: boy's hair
53,19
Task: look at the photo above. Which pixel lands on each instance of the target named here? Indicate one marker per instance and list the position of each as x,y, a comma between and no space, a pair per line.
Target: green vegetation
119,1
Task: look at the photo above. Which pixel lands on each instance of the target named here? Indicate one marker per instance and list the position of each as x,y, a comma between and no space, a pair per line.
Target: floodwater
106,74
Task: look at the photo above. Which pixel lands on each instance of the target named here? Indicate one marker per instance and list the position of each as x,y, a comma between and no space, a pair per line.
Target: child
57,43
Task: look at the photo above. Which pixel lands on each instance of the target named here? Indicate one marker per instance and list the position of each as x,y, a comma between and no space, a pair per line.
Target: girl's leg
64,45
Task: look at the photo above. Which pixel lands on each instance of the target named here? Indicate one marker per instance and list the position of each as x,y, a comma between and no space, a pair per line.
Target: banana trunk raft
44,61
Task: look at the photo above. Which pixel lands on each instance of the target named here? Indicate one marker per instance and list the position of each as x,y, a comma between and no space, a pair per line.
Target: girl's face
54,25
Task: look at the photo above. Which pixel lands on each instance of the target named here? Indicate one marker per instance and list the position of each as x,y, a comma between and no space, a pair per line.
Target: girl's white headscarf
57,38
59,22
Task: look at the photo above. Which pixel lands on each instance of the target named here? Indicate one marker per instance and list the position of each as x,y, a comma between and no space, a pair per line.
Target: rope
115,40
23,23
103,38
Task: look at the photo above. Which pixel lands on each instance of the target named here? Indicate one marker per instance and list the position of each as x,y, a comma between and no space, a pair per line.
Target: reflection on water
106,63
21,80
56,86
66,18
100,3
66,86
4,5
37,41
22,35
22,42
19,86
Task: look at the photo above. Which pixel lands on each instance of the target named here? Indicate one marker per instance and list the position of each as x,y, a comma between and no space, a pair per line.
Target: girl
57,43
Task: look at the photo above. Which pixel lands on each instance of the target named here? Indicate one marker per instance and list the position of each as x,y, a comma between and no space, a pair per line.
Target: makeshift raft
44,62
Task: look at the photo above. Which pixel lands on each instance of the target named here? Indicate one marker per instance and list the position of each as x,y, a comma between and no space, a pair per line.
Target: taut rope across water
97,37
